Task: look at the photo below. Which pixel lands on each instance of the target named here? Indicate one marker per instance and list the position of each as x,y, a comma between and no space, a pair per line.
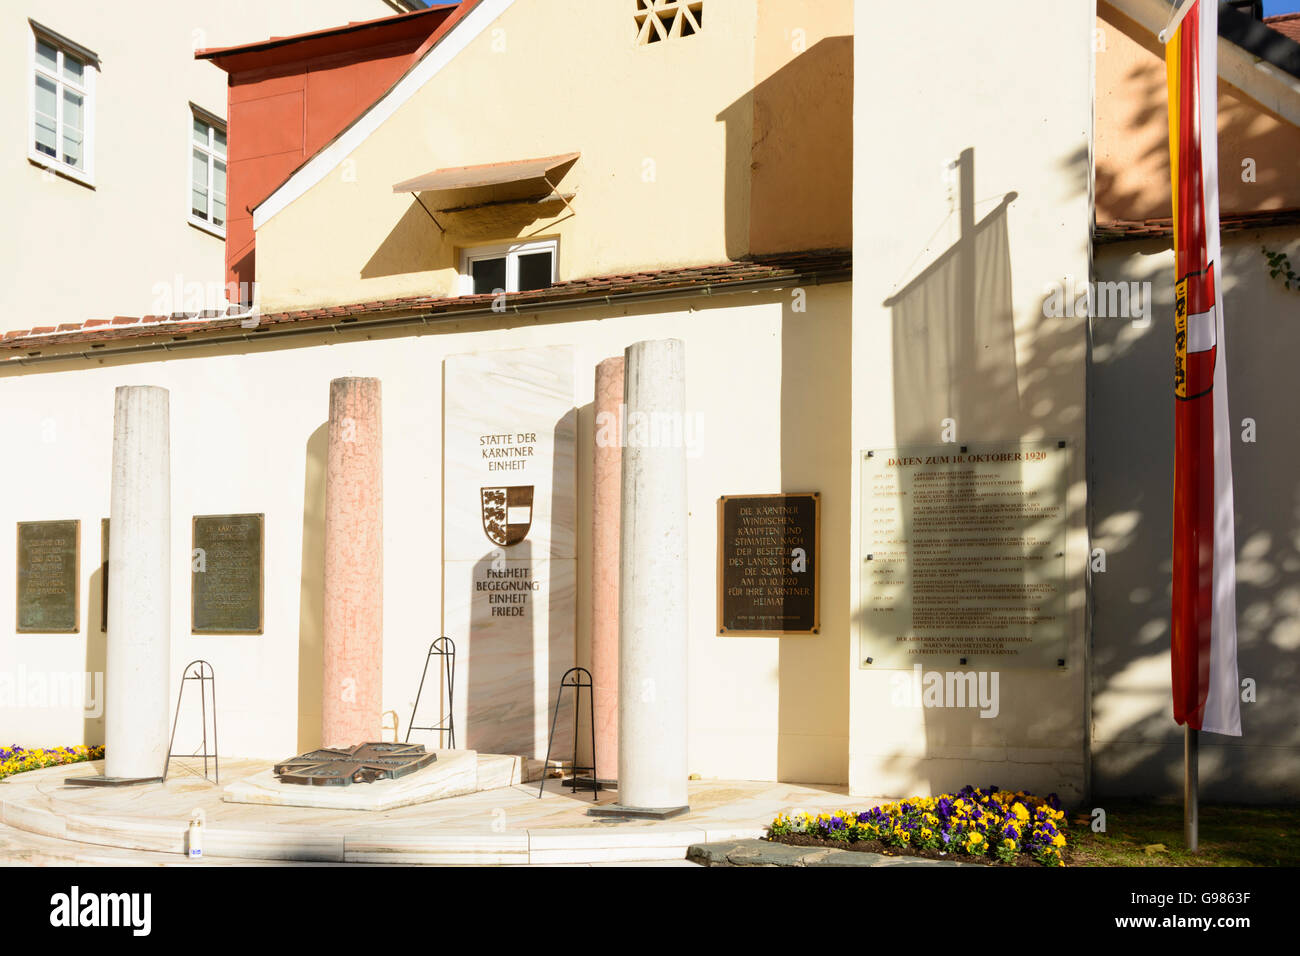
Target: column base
638,813
99,780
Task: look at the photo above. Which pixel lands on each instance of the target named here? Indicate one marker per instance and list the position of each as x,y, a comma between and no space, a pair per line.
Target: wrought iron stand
445,648
202,672
581,681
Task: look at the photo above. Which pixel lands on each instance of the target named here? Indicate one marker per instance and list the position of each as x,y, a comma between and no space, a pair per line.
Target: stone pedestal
652,767
136,718
354,569
607,480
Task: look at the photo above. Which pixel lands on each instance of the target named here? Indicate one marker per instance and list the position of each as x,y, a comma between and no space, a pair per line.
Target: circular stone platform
506,825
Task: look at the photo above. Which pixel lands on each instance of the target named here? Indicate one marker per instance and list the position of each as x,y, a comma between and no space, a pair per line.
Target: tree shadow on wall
1137,747
959,364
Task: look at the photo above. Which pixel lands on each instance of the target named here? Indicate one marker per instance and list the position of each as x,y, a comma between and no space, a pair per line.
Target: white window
61,132
517,267
207,160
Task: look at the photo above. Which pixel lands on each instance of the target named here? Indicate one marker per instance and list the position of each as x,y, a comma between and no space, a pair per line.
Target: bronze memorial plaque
48,573
768,564
226,575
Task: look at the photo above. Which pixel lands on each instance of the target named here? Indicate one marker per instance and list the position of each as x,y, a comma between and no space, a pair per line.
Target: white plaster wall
769,385
1015,87
76,252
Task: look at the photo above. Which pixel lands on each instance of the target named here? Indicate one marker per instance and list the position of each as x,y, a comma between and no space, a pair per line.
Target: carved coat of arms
507,513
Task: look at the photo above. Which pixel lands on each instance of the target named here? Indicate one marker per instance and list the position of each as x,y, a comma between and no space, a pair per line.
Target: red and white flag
1204,618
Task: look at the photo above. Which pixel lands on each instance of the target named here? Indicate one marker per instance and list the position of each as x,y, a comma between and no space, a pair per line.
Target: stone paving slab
505,826
765,853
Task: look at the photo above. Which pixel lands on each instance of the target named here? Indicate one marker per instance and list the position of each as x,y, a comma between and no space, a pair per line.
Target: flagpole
1190,782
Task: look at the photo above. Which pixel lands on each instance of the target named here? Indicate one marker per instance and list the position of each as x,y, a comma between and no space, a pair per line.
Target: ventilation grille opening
667,19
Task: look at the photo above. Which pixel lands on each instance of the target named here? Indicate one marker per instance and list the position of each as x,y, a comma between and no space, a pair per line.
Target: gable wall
671,168
1132,145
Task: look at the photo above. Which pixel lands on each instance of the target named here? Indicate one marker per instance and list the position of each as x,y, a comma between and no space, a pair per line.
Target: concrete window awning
514,182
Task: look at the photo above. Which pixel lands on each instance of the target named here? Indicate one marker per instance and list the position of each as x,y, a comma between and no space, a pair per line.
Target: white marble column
136,718
652,766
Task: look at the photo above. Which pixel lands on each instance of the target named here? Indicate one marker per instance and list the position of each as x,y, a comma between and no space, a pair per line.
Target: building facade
863,260
116,130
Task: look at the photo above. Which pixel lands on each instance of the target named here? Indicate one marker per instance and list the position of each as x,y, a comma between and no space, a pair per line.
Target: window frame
511,251
62,46
213,122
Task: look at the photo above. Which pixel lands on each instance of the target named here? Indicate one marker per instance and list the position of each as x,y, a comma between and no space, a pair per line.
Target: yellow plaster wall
1132,146
668,141
802,169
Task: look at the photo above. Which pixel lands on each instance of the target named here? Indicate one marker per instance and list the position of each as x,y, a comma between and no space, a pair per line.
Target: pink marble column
607,477
354,565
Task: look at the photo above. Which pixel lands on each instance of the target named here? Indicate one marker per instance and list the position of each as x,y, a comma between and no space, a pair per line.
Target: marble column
652,766
136,718
607,478
352,685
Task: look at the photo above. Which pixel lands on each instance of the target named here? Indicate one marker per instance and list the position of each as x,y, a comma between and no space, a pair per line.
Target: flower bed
16,759
990,826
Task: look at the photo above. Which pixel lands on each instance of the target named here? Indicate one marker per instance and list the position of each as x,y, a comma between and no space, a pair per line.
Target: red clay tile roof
810,267
1119,230
389,23
458,12
1287,24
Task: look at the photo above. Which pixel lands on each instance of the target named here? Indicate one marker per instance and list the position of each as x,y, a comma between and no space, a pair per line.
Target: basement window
517,267
667,19
62,105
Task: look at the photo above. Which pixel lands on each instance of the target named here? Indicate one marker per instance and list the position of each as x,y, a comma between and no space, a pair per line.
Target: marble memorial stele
509,542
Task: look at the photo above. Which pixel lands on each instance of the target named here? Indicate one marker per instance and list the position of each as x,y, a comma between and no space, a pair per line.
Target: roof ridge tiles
774,266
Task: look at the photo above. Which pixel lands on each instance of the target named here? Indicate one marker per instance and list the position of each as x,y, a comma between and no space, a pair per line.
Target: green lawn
1230,836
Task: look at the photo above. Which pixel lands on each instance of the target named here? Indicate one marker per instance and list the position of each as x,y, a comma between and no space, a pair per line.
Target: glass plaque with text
963,555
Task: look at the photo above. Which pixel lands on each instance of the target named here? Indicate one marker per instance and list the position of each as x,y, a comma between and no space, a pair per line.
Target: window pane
46,108
199,184
73,69
72,142
219,193
489,275
200,132
73,124
219,137
46,56
535,270
72,112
